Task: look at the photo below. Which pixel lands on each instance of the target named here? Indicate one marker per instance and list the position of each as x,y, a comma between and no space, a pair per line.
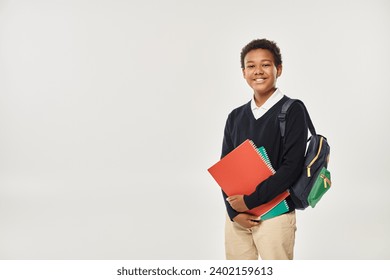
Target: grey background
112,111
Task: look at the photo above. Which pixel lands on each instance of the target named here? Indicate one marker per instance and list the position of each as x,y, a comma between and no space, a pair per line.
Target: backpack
314,180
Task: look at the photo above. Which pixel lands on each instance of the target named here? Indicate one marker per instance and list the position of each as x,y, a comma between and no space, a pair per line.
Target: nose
259,70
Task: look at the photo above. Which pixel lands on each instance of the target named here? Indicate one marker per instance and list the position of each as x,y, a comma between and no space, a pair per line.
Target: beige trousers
272,239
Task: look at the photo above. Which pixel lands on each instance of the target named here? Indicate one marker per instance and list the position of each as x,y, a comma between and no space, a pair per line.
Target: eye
250,66
266,65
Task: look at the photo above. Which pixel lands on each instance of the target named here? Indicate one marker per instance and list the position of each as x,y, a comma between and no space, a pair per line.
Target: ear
279,70
243,72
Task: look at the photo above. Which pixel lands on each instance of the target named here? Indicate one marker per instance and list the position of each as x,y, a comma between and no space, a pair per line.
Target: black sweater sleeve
292,160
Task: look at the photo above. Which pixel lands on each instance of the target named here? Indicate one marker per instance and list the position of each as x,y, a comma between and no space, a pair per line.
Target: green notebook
264,155
280,208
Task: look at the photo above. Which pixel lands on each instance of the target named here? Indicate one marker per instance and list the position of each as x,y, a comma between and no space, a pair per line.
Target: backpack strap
283,113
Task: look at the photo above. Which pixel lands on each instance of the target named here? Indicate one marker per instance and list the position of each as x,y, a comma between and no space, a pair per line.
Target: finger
233,203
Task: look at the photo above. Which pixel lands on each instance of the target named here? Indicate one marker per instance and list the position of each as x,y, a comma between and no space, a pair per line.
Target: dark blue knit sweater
287,159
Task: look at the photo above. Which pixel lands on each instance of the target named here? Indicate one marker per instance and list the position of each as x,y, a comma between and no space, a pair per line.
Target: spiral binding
264,156
285,203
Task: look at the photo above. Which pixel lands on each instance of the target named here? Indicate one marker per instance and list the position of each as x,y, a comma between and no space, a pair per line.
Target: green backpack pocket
320,187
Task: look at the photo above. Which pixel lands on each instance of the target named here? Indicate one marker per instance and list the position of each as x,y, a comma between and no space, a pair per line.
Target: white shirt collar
271,101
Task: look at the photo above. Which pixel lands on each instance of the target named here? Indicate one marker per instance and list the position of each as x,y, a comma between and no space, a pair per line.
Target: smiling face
261,73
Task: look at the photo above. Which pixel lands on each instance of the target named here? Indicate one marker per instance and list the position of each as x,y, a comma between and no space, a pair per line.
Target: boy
245,237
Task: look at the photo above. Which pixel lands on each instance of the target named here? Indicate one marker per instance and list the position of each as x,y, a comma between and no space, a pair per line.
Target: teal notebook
264,155
280,208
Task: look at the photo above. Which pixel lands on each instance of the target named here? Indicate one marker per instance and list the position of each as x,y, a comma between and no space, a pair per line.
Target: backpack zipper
314,159
326,180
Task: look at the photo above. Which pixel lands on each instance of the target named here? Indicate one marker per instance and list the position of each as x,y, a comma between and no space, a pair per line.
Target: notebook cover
279,209
241,171
264,155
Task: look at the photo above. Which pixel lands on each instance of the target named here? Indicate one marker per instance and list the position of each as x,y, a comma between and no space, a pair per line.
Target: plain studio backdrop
112,111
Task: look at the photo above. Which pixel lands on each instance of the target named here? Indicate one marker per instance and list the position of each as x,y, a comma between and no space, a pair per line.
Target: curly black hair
262,44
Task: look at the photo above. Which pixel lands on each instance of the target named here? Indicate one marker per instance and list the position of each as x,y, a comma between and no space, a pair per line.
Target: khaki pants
272,239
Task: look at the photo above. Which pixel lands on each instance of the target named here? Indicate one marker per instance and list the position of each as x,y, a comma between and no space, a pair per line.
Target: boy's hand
246,220
237,203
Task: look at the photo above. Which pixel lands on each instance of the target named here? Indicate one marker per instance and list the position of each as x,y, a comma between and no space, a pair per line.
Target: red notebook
241,171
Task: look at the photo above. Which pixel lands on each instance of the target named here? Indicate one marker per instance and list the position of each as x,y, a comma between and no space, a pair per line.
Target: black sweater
287,159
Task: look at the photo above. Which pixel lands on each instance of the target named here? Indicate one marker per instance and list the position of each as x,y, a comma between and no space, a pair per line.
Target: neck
261,98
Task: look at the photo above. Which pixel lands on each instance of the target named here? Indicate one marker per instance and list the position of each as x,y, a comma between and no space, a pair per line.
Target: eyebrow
264,60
